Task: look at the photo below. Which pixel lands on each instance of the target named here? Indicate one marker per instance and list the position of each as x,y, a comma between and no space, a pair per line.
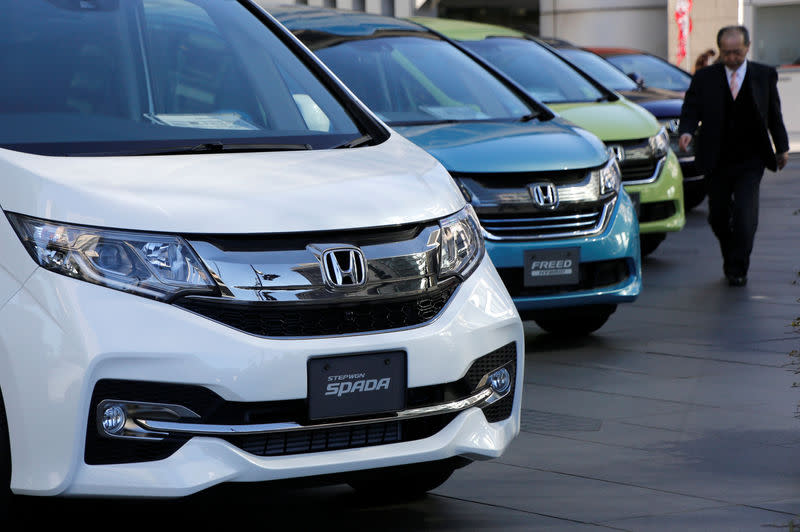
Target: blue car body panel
508,147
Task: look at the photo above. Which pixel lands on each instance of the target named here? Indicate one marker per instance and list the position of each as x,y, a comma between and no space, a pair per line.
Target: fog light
500,380
113,419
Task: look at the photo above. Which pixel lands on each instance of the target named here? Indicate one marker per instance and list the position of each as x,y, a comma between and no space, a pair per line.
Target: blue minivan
560,230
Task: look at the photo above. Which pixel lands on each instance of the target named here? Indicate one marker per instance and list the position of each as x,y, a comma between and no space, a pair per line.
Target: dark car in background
664,104
654,71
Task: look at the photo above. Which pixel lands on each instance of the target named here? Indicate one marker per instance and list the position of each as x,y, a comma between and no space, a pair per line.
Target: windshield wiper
219,147
528,117
206,147
360,141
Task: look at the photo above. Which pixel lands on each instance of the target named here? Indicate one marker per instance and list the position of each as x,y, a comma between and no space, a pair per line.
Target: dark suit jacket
704,105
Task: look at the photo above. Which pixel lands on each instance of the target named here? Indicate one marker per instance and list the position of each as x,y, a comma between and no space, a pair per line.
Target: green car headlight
659,144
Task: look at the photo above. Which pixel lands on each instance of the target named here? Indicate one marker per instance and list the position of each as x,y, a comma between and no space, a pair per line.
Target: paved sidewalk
680,413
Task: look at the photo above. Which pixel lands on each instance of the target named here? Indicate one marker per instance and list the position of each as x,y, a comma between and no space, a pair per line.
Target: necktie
734,84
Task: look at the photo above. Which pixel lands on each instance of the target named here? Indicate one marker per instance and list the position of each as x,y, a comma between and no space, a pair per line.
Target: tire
5,462
650,241
401,483
577,321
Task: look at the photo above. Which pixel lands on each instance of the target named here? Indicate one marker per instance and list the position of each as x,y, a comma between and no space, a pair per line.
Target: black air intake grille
656,210
275,320
638,170
334,439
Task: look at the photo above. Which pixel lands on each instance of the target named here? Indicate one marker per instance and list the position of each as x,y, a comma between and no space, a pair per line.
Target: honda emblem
544,195
344,267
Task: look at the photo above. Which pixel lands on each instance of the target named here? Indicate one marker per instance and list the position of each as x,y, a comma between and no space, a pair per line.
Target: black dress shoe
737,280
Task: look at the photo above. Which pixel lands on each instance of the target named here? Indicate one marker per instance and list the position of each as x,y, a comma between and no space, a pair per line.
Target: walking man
736,104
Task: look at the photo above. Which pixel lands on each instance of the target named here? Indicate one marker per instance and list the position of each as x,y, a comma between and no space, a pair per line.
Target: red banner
683,9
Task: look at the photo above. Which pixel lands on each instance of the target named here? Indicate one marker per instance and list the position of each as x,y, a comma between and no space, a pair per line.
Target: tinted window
415,79
599,69
103,75
656,72
547,77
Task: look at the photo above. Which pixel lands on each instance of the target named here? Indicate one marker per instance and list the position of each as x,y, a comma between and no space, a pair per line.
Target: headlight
461,243
659,144
149,265
609,176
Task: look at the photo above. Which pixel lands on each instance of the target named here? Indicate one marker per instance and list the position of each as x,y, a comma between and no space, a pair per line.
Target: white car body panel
280,192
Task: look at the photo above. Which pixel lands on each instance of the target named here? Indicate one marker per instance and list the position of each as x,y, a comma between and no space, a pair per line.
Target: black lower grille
334,439
657,210
638,170
276,320
213,409
591,275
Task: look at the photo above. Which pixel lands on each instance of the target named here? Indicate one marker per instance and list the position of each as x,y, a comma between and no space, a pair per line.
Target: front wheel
650,241
401,482
576,321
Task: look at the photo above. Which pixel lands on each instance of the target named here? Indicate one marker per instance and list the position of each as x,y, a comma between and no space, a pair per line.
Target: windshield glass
599,69
116,76
543,74
654,71
410,80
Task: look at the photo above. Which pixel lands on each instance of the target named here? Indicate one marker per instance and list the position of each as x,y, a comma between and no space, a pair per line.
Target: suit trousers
733,190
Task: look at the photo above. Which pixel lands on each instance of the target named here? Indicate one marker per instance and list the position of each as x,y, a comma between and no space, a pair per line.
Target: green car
651,173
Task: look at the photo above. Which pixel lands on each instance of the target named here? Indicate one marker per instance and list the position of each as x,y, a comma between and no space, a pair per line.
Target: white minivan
217,266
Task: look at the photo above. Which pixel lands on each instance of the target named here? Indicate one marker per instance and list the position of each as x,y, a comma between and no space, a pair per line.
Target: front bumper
61,337
661,202
615,249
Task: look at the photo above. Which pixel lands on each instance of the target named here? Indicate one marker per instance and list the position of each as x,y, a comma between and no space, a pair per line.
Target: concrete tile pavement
680,414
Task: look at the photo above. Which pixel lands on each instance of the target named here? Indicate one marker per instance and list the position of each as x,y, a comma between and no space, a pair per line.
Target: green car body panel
614,121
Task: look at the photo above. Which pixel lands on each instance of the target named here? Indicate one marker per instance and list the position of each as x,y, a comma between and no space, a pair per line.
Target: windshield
543,74
122,76
410,80
654,71
599,69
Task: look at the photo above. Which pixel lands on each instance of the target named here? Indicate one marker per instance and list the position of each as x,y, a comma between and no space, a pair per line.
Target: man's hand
782,159
683,142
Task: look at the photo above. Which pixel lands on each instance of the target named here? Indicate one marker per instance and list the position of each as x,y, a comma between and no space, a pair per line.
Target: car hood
611,121
389,184
663,108
508,147
651,94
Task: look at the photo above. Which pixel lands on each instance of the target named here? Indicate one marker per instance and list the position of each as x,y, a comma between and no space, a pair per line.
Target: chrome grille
558,224
507,210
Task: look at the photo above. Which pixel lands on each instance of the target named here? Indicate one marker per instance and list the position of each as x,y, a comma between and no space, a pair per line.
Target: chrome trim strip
568,217
651,179
485,395
597,228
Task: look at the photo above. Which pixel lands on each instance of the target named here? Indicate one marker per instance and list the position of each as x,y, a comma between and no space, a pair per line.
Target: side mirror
637,78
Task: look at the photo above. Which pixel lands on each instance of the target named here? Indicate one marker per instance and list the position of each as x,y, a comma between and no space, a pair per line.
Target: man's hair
728,29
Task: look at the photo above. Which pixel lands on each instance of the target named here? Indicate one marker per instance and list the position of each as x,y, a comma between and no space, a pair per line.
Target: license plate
356,385
552,267
637,202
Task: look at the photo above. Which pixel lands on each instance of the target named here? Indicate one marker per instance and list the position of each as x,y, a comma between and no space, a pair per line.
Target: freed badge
552,267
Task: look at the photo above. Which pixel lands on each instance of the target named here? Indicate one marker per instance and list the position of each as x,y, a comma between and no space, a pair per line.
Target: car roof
610,50
336,21
463,30
555,42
